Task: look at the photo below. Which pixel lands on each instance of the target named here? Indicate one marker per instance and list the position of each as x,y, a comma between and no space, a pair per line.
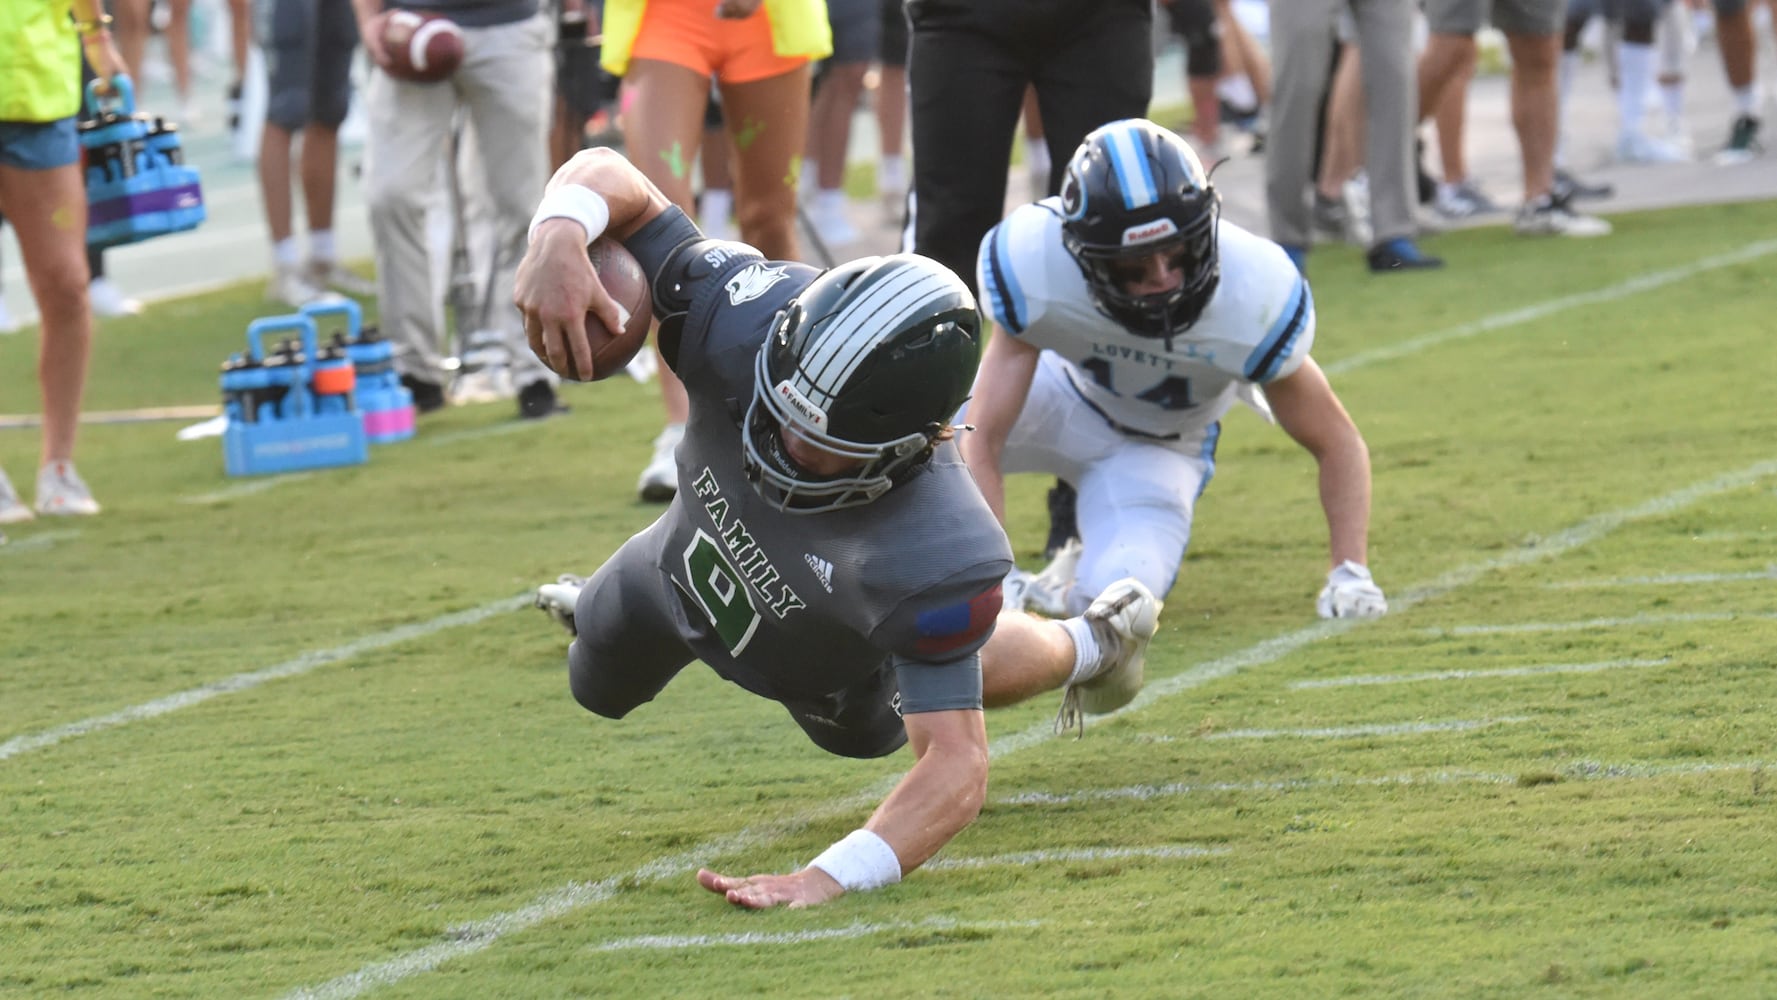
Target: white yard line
1576,771
242,682
688,942
1363,680
1666,580
1549,307
1630,621
1370,729
36,542
575,896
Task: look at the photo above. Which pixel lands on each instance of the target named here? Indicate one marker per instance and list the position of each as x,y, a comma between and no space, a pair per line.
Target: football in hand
622,276
422,48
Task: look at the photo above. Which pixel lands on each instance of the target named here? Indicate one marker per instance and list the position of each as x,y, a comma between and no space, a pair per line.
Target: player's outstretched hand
1350,593
808,887
555,288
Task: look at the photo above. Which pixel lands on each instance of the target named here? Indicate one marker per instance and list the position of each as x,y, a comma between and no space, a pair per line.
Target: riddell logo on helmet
800,403
1148,232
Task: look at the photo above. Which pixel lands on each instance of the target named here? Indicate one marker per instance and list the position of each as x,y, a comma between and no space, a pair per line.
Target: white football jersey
1258,326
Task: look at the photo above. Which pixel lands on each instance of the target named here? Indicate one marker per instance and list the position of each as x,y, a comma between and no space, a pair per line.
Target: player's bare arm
940,796
1311,413
1001,387
556,285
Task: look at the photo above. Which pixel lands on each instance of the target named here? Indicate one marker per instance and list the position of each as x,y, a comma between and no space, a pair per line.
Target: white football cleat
558,599
1047,592
660,480
1123,621
12,509
1351,593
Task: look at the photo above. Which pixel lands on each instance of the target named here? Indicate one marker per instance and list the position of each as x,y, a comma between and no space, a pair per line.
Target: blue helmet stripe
1135,175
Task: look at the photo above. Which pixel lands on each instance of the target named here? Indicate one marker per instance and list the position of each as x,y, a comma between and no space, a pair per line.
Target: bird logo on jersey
752,283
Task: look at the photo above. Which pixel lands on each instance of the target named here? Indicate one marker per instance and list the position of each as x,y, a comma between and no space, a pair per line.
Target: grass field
302,736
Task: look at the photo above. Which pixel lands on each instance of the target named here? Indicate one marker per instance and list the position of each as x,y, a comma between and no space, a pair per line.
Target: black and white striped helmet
869,362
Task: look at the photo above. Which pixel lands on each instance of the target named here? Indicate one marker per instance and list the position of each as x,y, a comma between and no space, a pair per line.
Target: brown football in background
622,277
423,48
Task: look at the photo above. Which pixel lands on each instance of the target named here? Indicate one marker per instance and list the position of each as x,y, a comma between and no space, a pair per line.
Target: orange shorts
688,33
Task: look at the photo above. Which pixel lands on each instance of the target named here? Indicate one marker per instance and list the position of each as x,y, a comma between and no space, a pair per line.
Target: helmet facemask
1134,189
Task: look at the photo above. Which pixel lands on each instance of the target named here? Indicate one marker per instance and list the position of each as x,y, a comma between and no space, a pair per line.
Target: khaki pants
504,86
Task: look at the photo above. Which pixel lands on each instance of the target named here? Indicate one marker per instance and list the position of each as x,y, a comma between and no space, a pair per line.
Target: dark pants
1091,61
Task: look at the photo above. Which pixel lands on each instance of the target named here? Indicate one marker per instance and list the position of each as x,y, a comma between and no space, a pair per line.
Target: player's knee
588,680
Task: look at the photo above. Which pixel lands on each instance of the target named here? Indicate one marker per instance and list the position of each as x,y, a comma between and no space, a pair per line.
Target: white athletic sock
1086,652
1238,91
1672,100
322,245
891,174
1635,65
284,252
1746,99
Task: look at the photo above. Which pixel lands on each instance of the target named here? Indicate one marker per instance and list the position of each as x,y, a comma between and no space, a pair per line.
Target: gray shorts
857,30
308,60
1514,17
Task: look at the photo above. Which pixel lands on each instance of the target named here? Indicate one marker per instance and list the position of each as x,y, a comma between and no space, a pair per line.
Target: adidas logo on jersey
823,570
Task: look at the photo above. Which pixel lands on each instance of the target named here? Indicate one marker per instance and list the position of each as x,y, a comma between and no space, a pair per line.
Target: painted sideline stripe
1466,675
1589,623
1768,573
677,942
559,902
1549,307
242,682
1371,729
1577,771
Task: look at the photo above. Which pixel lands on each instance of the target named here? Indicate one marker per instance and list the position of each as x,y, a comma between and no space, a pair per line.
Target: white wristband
859,862
577,202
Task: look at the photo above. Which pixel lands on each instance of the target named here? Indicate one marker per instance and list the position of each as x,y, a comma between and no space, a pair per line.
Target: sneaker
1462,200
1015,589
1123,621
1553,216
1401,254
538,400
1743,144
109,300
12,509
1640,148
1331,219
60,491
8,323
328,274
660,480
485,384
558,599
290,286
1048,591
427,396
1062,523
1569,188
643,367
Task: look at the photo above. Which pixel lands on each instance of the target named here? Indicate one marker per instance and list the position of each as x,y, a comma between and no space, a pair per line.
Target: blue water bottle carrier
293,407
137,183
386,404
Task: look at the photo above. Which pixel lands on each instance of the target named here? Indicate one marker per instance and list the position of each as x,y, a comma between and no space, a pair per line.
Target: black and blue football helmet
1133,189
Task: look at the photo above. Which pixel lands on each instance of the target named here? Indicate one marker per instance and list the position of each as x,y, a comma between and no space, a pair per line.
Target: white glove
1015,590
1350,593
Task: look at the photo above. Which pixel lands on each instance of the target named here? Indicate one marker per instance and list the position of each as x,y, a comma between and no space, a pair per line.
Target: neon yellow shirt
39,61
798,28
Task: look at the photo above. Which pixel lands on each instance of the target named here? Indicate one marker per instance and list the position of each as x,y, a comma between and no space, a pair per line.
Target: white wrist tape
859,862
577,202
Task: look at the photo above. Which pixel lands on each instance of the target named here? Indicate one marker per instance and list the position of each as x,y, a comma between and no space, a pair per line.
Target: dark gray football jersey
802,605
